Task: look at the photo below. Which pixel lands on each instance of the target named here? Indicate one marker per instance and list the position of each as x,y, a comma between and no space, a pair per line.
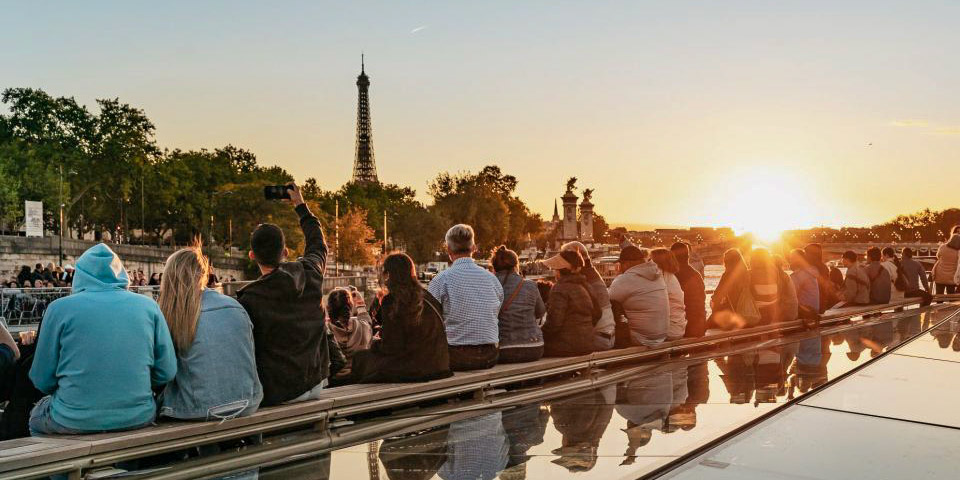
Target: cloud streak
947,131
910,123
415,30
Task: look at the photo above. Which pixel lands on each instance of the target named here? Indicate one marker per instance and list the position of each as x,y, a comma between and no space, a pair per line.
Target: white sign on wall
34,218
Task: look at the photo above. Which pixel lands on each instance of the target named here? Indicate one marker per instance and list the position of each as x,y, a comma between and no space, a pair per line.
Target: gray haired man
471,298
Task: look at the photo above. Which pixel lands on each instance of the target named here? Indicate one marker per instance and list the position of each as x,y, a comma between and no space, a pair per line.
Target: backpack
901,282
746,307
880,287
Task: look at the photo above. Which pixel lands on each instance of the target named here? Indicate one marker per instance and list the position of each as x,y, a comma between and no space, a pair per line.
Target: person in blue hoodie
101,351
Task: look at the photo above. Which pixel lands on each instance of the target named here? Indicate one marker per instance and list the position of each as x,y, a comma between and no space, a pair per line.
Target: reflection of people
417,457
478,449
582,421
645,403
854,344
738,376
525,427
809,358
684,415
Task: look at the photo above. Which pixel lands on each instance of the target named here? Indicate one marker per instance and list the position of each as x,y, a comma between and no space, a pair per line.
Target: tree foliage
486,201
118,184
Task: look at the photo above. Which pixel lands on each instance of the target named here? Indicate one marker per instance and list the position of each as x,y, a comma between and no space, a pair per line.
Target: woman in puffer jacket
603,331
945,270
571,312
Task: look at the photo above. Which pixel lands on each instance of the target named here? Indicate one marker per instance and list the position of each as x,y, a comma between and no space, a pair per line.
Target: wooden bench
45,455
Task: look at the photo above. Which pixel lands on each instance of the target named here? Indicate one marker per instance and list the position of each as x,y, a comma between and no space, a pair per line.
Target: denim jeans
42,423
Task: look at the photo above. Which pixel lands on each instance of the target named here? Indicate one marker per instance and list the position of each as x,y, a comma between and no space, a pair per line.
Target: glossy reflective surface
896,418
628,429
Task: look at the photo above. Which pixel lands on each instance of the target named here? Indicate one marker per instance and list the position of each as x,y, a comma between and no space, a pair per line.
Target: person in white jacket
669,266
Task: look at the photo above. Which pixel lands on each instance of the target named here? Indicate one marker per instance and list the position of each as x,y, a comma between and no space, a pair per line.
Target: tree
357,242
600,228
486,201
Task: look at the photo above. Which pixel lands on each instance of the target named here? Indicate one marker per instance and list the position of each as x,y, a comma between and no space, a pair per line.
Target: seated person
101,351
350,326
286,307
412,346
471,297
520,337
571,312
216,368
641,293
881,285
856,285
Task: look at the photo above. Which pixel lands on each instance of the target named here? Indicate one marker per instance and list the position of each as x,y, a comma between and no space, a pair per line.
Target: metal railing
24,306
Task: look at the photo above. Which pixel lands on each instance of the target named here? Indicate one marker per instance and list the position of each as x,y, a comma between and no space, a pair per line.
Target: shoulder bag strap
512,296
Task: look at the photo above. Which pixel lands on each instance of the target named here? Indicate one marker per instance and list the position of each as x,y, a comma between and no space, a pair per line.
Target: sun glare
766,202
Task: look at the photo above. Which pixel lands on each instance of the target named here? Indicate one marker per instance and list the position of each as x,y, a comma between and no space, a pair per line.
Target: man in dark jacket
880,282
285,304
694,292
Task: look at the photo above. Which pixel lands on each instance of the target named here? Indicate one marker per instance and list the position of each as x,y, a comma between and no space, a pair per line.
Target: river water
627,429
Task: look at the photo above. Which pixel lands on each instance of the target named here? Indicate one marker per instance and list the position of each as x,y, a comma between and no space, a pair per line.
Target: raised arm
315,248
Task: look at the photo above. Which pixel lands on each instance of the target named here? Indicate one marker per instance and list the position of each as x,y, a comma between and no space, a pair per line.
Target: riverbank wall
18,251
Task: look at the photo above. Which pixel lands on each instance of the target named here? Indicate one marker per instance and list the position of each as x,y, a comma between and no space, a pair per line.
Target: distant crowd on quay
106,359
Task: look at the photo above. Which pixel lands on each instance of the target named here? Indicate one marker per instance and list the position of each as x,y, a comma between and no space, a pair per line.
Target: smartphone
277,192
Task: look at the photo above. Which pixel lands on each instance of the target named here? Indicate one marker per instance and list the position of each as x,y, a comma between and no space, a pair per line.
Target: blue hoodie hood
99,268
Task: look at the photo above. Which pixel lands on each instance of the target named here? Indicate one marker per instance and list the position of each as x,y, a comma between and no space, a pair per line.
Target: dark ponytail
339,305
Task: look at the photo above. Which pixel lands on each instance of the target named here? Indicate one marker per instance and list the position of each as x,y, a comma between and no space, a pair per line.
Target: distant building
574,224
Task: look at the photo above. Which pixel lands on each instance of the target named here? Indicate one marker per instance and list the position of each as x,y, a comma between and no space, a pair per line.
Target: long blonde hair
181,292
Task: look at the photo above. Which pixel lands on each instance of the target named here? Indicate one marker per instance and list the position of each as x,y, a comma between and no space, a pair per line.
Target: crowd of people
51,276
195,354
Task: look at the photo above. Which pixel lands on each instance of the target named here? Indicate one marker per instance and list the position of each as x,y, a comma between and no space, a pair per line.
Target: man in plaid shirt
471,298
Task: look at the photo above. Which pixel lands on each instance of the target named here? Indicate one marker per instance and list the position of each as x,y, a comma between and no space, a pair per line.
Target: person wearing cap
471,297
571,312
603,332
639,293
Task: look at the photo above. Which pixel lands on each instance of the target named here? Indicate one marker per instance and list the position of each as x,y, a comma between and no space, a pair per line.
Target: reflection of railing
19,306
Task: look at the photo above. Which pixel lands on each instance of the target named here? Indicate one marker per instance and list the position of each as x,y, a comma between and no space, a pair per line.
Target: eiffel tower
364,165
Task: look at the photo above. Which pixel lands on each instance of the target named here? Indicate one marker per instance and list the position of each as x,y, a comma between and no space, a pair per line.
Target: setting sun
765,202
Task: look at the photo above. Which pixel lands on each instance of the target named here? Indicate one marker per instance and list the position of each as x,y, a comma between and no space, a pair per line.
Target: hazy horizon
727,114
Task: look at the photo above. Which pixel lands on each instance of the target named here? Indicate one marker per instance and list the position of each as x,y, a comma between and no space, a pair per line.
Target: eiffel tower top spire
364,164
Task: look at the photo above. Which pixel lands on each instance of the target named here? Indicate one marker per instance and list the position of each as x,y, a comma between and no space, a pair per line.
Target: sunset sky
676,113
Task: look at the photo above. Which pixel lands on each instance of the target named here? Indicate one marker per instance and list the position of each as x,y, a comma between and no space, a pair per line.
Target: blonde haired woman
213,337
